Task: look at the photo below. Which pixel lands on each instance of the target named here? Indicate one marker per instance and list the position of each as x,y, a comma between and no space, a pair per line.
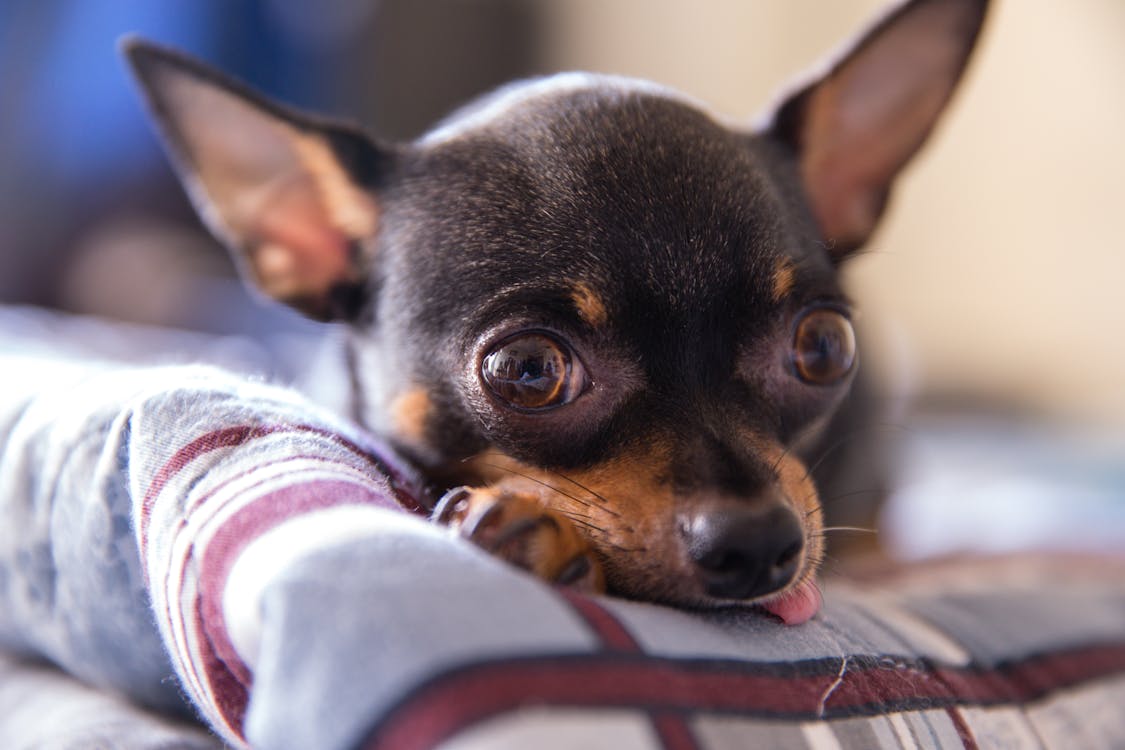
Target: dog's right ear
292,197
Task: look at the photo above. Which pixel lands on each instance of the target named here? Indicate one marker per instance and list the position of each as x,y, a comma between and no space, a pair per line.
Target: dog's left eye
533,371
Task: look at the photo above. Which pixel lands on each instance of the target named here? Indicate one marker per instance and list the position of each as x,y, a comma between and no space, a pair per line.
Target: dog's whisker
842,496
815,510
850,436
830,450
602,534
622,548
587,526
780,458
830,565
582,521
603,506
538,481
604,500
824,531
577,516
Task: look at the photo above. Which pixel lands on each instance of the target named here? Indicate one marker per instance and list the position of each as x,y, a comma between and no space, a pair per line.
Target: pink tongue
795,606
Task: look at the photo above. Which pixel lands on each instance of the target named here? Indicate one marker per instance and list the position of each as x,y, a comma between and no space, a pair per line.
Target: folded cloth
213,546
127,494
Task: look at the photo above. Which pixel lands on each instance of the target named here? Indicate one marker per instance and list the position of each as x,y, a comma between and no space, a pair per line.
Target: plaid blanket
212,548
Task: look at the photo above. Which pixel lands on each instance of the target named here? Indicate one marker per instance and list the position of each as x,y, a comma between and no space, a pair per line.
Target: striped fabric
208,502
130,493
956,663
911,684
209,546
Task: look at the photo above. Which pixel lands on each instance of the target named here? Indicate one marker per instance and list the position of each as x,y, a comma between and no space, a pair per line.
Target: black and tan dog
610,326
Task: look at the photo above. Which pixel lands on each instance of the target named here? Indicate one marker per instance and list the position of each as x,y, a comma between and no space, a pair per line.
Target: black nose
743,552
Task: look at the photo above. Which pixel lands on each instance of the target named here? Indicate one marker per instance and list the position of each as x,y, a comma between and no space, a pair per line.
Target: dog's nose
743,552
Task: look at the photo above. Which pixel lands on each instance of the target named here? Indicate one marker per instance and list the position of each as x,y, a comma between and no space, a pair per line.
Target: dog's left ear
292,197
856,126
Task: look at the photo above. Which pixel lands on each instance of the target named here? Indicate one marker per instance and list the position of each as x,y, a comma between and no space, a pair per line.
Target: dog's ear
292,197
854,127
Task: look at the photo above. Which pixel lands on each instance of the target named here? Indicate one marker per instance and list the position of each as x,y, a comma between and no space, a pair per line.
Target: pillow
467,654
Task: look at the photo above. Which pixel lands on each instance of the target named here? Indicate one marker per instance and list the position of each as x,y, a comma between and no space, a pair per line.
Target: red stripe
225,438
673,731
459,700
329,462
229,693
451,703
404,487
239,671
220,660
605,625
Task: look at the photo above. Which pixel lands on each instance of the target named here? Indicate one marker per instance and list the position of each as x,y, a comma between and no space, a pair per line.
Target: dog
609,327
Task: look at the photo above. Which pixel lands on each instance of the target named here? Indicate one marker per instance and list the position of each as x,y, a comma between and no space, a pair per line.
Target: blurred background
992,298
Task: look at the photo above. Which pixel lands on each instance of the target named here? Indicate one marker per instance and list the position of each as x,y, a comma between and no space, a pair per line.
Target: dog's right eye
533,371
823,347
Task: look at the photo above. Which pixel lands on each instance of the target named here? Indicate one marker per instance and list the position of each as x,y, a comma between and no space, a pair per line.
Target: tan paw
517,528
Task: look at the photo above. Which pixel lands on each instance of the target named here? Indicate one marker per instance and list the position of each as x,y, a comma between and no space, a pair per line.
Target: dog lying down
607,328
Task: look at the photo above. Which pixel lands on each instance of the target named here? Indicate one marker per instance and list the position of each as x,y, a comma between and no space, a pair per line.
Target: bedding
182,544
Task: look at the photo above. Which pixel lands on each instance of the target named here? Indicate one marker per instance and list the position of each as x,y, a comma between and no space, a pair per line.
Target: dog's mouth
761,554
702,552
792,604
796,605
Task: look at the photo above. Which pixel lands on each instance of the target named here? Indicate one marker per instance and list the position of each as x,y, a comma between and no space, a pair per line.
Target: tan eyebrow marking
411,411
784,278
589,305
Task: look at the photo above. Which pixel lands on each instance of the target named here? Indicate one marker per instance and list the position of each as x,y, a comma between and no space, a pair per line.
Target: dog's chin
795,604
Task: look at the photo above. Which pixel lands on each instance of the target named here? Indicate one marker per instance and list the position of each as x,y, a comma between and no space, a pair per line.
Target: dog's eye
823,347
533,371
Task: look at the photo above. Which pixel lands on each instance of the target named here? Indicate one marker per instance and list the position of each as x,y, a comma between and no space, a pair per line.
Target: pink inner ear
857,143
869,116
298,253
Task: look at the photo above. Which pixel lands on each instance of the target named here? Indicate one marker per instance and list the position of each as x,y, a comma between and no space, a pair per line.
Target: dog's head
587,286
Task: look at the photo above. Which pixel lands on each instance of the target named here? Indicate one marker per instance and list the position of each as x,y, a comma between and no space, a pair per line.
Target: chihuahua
607,326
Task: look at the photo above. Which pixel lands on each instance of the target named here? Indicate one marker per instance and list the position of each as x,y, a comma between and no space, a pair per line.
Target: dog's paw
519,529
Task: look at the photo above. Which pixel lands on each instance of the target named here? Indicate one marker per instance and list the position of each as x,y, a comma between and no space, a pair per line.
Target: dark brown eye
823,347
533,371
